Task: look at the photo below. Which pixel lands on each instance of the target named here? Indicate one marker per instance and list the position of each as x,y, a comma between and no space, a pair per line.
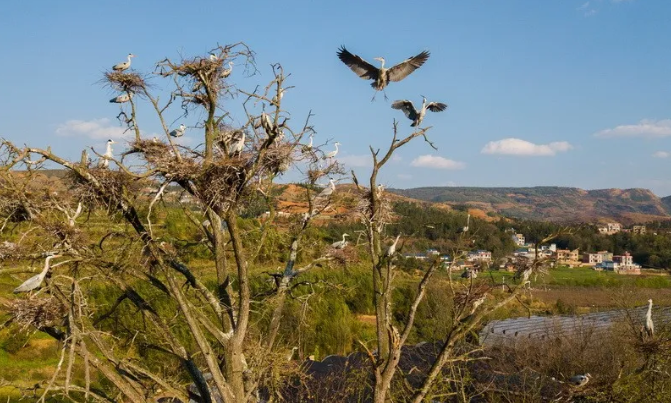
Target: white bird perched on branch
275,101
418,115
328,191
308,147
227,72
332,153
237,143
104,161
125,65
465,229
213,57
178,132
36,281
392,249
649,325
382,76
122,98
580,380
340,244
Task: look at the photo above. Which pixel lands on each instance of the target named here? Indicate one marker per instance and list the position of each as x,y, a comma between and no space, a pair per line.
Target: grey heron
237,143
417,115
213,57
291,354
122,98
328,191
308,147
332,153
227,72
340,244
275,100
580,380
123,66
649,325
36,281
392,249
104,162
179,132
465,229
381,76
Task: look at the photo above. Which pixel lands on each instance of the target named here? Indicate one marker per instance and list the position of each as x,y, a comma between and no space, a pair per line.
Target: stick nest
36,312
125,82
277,159
114,184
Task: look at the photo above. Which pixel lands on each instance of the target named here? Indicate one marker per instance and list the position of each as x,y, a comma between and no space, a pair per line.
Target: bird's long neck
108,152
649,313
47,264
336,146
310,144
468,220
128,59
381,64
397,238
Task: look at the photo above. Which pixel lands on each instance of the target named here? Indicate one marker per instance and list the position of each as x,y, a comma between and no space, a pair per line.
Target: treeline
425,227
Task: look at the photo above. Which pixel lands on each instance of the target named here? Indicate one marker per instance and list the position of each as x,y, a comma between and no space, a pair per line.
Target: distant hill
553,203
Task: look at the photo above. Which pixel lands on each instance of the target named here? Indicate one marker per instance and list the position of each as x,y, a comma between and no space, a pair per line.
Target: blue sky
567,93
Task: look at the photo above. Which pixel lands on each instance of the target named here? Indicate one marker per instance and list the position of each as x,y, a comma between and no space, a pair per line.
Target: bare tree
468,308
165,308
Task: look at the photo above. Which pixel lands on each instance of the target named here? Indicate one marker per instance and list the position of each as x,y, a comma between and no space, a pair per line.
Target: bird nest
221,182
36,312
125,82
278,158
364,209
113,183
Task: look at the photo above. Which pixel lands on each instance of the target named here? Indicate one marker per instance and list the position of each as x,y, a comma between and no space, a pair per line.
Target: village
599,261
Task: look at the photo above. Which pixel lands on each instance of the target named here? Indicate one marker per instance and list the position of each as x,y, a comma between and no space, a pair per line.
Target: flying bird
179,132
381,76
122,98
413,114
36,281
104,162
340,244
125,65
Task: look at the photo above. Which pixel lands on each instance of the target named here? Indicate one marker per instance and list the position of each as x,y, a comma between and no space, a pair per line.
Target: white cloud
98,129
645,128
436,162
356,160
660,154
404,176
513,146
584,6
590,13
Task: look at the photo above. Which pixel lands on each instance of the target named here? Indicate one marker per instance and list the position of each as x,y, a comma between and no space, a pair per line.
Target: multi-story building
592,258
565,255
638,229
480,255
610,228
519,239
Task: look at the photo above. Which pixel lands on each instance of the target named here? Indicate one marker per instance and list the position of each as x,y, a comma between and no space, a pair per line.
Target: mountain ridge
552,203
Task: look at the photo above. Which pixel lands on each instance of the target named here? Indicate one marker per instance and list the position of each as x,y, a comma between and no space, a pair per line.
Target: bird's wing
361,67
407,107
403,69
436,106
